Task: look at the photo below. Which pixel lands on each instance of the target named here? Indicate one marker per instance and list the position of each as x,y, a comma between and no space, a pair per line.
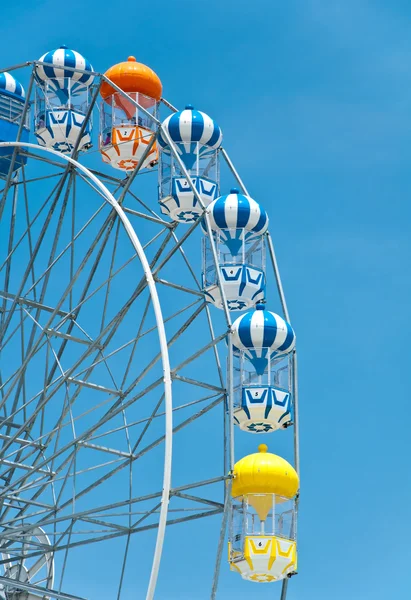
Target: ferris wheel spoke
144,451
66,336
57,233
105,229
135,342
123,567
79,515
49,519
72,235
173,339
69,247
116,391
71,468
111,354
208,513
47,509
100,536
90,295
145,516
25,467
65,377
199,352
29,225
44,159
215,348
107,525
13,333
117,409
27,221
94,386
108,286
160,250
33,257
35,347
108,415
157,357
109,180
13,501
38,591
91,184
156,415
177,286
22,301
65,558
34,569
10,245
198,500
223,530
176,247
201,384
21,451
175,314
187,263
24,181
66,465
70,473
148,423
150,210
182,365
180,426
9,474
154,238
156,219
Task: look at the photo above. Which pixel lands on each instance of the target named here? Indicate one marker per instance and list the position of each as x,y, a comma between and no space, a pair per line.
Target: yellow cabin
262,540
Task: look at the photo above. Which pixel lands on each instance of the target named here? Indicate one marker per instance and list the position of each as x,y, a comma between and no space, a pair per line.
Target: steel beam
41,592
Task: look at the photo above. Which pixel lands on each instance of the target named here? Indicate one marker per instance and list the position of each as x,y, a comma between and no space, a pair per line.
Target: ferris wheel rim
167,380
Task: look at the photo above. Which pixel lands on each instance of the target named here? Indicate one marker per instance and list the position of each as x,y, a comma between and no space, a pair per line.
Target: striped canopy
238,217
262,334
58,77
194,133
9,86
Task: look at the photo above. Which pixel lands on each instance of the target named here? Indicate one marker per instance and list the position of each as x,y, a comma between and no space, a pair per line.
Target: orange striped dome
132,76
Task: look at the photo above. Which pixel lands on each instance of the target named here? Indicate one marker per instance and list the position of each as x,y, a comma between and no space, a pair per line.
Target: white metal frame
168,402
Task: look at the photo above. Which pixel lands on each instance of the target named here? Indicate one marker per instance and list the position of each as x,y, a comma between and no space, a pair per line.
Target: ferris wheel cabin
127,124
12,100
62,100
263,343
238,224
196,139
262,535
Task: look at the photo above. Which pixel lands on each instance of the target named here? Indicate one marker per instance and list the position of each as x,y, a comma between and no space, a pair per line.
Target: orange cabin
125,129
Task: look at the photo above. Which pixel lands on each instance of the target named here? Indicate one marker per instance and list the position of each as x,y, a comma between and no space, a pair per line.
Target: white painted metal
163,349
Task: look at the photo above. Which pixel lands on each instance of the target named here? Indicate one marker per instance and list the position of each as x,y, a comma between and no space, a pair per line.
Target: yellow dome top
264,473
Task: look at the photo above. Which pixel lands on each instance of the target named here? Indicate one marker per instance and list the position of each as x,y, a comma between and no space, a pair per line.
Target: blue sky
314,101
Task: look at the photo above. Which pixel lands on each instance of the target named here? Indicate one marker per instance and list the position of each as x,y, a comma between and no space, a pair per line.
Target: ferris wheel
137,277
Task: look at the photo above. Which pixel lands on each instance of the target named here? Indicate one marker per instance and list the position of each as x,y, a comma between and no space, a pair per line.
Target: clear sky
314,99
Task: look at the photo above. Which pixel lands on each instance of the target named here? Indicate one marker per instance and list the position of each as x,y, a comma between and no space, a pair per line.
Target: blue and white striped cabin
12,102
62,100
